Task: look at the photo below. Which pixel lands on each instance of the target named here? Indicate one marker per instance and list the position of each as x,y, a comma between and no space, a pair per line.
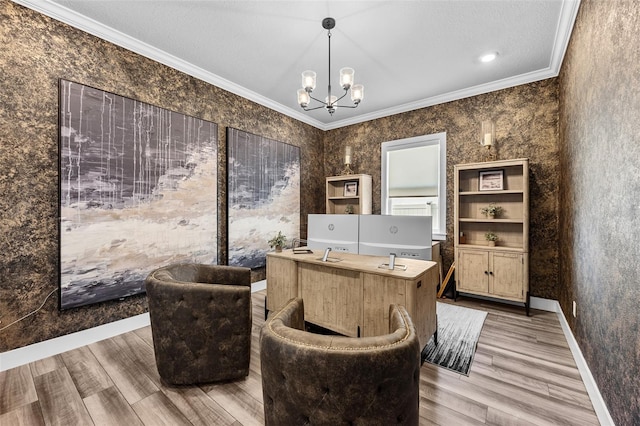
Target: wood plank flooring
523,373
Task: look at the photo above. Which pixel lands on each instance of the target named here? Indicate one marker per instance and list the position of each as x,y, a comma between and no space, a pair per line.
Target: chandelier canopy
346,81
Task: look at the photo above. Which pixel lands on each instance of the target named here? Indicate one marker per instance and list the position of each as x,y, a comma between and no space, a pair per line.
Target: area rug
458,332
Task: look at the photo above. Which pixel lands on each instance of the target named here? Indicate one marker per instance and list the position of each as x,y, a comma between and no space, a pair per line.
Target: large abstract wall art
138,190
263,190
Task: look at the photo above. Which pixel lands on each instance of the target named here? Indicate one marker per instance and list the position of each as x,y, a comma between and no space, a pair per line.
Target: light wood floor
523,374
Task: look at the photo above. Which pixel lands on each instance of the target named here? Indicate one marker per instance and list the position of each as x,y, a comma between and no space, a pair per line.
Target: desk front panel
282,281
332,297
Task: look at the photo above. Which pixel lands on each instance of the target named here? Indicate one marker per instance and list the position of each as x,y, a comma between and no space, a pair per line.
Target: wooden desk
351,294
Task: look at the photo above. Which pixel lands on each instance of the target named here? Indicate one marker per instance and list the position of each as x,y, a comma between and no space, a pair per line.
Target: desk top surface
360,262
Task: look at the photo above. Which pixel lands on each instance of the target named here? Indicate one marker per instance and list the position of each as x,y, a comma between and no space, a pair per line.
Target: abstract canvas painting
137,192
263,190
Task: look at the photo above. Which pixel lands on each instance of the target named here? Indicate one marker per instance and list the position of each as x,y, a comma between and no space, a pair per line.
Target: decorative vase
491,215
491,243
278,249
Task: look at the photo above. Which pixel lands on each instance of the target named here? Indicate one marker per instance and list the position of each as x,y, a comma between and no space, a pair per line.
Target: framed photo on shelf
491,180
350,189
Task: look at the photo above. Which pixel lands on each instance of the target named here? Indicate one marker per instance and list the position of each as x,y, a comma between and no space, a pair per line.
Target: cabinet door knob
486,272
491,273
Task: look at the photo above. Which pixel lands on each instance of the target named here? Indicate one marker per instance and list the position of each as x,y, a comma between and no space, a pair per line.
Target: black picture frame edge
59,198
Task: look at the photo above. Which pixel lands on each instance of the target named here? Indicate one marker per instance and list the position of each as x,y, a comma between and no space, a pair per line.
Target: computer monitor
336,231
406,236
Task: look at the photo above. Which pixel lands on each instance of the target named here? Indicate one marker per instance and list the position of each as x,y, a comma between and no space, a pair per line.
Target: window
414,179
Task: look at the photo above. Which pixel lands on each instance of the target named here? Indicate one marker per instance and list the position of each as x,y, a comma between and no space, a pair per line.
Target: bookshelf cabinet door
474,276
507,271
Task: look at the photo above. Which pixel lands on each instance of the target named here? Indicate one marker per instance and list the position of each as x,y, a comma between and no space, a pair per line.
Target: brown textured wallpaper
599,202
526,120
35,51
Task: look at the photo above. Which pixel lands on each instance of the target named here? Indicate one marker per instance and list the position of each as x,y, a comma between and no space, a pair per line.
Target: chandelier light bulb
309,80
303,98
357,93
346,77
331,103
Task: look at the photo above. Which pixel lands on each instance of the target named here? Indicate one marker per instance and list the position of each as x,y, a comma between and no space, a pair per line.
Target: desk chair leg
435,334
423,353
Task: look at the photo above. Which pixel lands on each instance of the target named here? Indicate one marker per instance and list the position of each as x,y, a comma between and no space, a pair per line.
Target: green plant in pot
278,242
348,209
492,210
491,238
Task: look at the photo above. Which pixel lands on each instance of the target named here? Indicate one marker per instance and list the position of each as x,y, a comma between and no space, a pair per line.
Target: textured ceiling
408,54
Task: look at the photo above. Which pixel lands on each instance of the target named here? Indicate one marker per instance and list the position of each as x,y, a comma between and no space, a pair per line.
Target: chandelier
346,81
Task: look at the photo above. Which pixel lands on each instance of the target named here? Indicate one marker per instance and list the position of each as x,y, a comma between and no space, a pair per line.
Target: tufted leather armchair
200,322
333,380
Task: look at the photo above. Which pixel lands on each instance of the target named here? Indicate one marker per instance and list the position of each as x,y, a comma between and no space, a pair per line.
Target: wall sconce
488,137
347,161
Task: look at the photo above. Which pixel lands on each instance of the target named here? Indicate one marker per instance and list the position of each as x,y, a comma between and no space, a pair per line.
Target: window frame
439,233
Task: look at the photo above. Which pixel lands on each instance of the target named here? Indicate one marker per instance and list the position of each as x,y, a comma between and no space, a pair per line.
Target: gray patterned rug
458,332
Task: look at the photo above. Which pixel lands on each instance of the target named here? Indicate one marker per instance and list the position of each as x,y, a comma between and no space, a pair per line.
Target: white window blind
414,172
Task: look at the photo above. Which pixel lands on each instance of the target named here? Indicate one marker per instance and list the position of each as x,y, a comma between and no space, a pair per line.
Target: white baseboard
534,302
258,285
599,405
58,345
541,304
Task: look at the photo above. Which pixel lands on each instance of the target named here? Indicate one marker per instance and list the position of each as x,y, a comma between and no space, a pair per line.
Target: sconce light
347,161
488,137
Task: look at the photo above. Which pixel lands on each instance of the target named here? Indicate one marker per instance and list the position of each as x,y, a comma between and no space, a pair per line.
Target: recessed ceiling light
489,57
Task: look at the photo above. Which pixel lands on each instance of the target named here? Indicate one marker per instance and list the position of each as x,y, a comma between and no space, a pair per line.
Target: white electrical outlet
575,308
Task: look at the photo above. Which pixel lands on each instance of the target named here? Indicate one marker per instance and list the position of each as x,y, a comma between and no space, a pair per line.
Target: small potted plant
348,209
492,210
491,238
278,242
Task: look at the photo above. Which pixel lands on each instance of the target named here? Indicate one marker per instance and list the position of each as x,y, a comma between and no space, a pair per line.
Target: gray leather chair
201,322
333,380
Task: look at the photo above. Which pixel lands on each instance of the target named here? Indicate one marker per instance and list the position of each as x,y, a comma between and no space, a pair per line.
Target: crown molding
569,11
448,97
93,27
568,14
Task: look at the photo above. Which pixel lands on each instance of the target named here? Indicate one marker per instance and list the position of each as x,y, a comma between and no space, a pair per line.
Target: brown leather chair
332,380
201,322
